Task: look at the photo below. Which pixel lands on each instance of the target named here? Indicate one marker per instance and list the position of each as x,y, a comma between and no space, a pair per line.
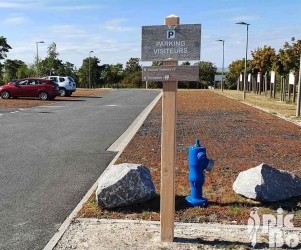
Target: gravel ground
129,234
236,136
103,234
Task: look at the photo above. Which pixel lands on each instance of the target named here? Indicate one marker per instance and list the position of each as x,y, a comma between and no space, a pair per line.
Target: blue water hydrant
198,163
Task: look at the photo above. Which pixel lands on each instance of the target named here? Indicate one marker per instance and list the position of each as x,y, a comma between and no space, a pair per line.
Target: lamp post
37,63
245,71
90,68
223,41
299,92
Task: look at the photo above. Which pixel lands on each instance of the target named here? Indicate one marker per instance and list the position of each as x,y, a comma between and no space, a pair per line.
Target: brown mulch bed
32,102
236,136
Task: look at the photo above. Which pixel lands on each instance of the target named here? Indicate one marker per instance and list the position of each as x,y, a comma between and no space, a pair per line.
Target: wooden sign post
168,150
170,43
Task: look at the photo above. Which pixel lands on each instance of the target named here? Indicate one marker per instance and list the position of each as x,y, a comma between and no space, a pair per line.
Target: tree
207,72
51,64
67,69
95,71
132,65
111,74
288,58
4,48
133,80
235,69
263,59
11,68
132,74
25,71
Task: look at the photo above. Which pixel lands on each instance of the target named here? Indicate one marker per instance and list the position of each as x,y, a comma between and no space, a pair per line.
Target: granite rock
123,185
267,184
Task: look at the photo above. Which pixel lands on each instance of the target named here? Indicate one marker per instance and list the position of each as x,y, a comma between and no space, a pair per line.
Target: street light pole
222,87
246,58
90,68
37,63
299,92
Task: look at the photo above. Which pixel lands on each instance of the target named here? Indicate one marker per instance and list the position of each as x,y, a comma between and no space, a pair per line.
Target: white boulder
267,184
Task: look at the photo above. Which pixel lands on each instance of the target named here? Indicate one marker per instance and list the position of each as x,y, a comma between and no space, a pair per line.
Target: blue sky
112,28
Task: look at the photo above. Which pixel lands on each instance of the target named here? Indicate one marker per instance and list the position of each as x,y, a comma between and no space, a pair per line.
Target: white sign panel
258,77
163,42
218,78
273,76
249,77
291,78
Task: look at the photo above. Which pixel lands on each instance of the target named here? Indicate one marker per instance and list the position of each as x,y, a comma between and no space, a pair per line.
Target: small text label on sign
170,73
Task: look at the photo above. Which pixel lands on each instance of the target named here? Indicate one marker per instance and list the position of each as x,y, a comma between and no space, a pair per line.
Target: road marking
112,105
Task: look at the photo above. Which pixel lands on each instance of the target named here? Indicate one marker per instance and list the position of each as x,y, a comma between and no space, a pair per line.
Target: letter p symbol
171,34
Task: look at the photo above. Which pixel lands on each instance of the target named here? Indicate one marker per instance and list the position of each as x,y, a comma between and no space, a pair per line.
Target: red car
30,87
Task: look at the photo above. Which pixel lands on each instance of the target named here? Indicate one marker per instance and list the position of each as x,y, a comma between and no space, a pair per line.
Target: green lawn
274,106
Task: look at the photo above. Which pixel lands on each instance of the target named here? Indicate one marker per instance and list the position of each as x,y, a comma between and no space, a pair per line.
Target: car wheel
68,93
43,96
63,92
5,94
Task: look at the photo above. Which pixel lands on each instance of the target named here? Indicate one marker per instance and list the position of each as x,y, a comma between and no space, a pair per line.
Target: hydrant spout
210,165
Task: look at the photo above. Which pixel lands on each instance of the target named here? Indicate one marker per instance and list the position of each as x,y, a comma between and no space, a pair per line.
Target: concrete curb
117,146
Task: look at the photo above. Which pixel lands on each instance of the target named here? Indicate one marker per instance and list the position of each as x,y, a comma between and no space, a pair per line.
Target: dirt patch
32,102
237,137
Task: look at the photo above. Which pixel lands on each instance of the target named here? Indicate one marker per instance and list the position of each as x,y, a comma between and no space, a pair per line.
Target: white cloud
244,18
117,25
16,20
17,4
75,8
225,10
74,43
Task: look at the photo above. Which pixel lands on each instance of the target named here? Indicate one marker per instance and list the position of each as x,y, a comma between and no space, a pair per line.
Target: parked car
66,84
30,87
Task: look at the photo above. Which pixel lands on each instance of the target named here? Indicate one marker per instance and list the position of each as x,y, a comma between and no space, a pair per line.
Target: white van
66,84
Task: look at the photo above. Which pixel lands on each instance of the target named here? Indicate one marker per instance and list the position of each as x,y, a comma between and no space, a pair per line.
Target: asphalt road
51,155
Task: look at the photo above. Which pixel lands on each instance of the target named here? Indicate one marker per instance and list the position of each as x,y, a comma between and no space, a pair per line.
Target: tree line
264,60
105,75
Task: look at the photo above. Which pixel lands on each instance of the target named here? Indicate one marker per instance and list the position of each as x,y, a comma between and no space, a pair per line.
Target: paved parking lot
51,155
